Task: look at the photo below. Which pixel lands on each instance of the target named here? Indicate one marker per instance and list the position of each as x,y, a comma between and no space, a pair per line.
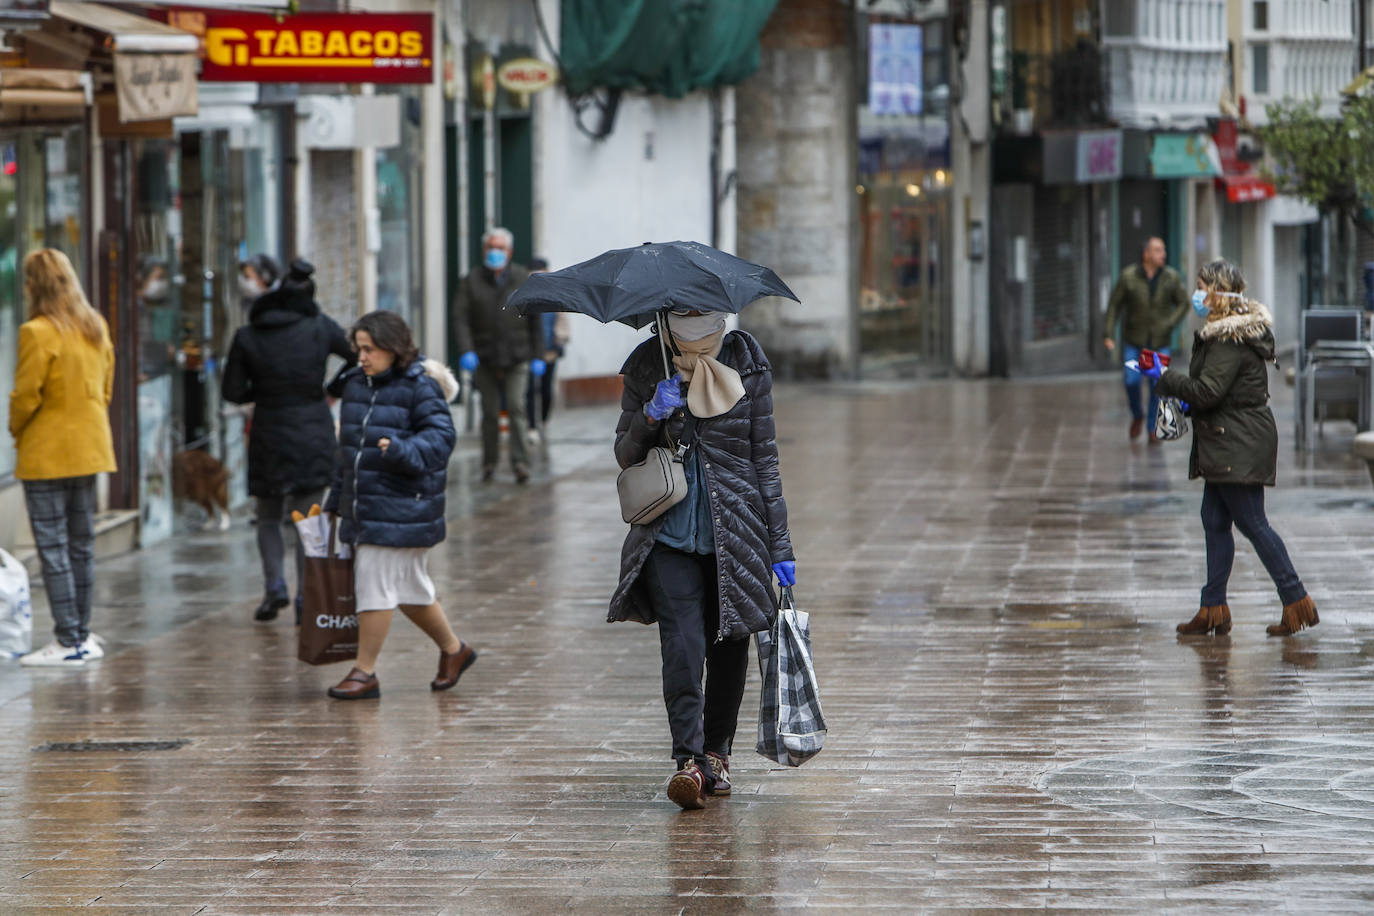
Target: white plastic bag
16,611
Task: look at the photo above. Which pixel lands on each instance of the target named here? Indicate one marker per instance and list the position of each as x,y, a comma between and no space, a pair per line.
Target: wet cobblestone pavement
994,574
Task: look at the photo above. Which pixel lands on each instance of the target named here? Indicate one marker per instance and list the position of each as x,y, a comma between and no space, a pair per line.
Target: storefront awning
1245,188
33,93
127,31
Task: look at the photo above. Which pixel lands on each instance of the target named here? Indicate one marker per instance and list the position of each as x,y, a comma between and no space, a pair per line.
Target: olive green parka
1235,439
1147,321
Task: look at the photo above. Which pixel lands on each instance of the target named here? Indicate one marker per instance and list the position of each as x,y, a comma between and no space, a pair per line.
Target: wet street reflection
994,573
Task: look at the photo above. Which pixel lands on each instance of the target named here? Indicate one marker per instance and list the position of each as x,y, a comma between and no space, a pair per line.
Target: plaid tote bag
791,726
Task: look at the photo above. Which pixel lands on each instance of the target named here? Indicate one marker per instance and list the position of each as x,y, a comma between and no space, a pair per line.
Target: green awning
664,47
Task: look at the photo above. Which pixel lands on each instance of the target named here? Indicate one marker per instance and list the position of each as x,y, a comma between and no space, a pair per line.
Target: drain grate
122,747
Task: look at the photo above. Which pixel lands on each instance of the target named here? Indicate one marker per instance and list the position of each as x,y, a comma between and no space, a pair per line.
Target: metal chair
1335,366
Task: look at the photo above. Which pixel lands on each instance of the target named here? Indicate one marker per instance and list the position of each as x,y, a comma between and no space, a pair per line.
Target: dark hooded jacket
739,458
393,498
277,363
1226,387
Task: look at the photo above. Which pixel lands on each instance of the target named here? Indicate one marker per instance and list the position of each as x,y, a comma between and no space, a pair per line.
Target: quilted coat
1227,390
393,498
277,362
739,458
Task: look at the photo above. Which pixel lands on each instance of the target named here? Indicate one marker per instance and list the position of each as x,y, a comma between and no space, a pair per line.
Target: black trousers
682,587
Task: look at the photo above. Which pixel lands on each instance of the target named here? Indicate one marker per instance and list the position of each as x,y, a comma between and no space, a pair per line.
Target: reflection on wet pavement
994,575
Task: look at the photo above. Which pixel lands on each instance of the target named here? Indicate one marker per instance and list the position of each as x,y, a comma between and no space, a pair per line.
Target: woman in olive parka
1235,444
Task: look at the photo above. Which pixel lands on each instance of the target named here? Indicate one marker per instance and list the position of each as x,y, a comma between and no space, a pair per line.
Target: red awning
1243,188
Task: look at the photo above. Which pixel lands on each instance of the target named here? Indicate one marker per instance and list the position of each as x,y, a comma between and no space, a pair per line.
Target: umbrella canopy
631,284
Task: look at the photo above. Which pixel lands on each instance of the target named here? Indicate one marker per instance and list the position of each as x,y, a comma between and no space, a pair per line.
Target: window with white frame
1259,69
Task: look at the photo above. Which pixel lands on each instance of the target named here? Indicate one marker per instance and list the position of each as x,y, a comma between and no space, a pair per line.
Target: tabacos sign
318,48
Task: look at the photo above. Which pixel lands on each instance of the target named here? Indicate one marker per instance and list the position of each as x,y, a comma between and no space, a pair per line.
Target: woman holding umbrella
703,569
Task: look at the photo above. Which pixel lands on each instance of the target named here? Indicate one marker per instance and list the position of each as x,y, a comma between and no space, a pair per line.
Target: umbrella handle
662,341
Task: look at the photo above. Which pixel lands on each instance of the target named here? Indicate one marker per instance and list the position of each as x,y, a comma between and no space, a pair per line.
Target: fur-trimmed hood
444,376
1241,327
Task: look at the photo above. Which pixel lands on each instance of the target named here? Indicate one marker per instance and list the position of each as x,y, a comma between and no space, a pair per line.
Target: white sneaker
533,437
91,648
55,655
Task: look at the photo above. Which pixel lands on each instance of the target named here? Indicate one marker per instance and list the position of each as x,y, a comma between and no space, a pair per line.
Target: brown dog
200,477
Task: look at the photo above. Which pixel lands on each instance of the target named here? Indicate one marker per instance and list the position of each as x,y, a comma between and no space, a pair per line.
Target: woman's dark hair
389,332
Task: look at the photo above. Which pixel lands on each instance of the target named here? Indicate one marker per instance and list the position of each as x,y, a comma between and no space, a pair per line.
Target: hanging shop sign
154,87
1184,156
526,74
319,48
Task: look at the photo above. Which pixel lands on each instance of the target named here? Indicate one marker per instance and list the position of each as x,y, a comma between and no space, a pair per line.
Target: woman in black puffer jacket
277,363
703,570
395,438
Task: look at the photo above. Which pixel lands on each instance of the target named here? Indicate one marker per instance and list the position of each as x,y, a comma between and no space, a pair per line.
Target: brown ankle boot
1216,617
1296,616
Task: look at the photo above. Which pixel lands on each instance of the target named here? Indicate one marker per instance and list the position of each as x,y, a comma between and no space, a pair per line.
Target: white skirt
386,577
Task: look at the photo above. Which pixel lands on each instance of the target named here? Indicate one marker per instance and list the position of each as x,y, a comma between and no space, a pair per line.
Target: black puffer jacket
739,458
277,363
393,498
1227,388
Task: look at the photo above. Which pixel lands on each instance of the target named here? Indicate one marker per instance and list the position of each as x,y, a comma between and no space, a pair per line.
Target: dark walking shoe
1137,427
488,474
1296,616
687,788
720,769
269,607
1213,618
451,667
522,474
359,685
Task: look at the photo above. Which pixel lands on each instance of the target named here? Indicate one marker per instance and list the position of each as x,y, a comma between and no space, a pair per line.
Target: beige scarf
715,388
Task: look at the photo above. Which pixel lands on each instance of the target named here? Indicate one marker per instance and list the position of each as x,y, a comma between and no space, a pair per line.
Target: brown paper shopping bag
329,624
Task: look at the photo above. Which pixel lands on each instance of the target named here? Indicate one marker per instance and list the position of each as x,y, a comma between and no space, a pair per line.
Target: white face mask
695,327
249,289
156,290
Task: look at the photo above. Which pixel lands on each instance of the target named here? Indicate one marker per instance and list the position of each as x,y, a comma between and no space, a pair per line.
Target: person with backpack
277,363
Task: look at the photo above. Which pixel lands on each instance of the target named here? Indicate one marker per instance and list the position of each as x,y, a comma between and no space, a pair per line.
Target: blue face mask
495,258
1200,302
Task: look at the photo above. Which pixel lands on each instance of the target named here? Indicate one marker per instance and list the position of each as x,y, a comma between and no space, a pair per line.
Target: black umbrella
632,284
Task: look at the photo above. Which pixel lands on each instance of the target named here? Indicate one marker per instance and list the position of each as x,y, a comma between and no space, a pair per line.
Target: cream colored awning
128,32
29,92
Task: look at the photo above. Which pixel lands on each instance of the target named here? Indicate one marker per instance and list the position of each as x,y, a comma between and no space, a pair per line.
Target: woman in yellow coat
59,417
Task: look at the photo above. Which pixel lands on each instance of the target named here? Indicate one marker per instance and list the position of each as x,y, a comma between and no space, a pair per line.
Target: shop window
400,262
1259,68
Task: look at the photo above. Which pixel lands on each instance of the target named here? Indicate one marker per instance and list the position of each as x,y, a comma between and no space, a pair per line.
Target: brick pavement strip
994,573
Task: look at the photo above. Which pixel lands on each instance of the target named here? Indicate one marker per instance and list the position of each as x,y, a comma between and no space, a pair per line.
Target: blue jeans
1225,504
1132,379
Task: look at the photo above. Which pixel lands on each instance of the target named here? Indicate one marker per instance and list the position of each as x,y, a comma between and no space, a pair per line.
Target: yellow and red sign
318,48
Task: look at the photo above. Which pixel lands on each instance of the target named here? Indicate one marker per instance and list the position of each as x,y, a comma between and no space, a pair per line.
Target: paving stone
994,574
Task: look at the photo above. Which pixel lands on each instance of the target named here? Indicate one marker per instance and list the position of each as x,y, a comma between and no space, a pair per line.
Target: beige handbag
659,482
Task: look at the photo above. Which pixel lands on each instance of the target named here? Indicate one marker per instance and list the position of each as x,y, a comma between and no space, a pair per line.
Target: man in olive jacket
1150,300
499,347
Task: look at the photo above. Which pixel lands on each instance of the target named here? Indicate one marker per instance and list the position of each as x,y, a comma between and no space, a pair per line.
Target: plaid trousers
62,515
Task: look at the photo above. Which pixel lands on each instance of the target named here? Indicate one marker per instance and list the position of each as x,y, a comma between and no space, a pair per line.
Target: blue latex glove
468,361
538,367
787,573
667,398
1186,407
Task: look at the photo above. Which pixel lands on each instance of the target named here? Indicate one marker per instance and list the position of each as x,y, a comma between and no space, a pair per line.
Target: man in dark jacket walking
1150,301
500,348
277,363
